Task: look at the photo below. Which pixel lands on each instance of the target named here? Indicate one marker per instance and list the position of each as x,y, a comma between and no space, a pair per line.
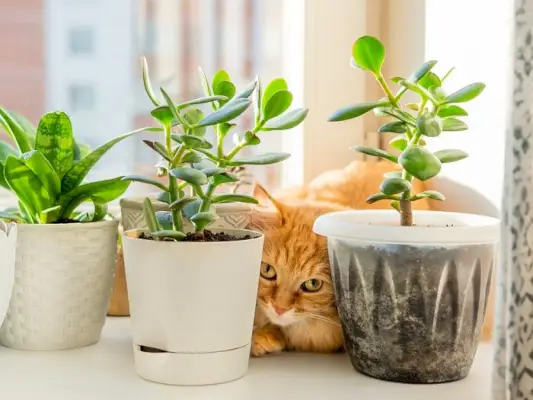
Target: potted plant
65,256
8,244
192,289
411,287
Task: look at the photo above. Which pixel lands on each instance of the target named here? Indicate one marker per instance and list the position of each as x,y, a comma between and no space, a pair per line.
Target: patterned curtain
513,366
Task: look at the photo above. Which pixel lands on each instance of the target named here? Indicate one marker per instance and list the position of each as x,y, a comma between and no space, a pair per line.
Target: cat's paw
265,341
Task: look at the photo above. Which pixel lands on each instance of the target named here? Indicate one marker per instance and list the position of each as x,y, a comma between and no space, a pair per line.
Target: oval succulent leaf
469,92
419,162
395,127
194,142
226,177
213,171
226,89
237,198
419,89
450,155
202,100
202,219
191,158
272,88
287,120
422,71
277,104
399,142
452,111
260,159
149,216
181,203
430,80
167,233
251,138
353,111
375,152
229,111
220,76
380,196
413,106
453,124
428,194
162,114
392,186
192,117
247,92
369,54
429,125
163,197
189,175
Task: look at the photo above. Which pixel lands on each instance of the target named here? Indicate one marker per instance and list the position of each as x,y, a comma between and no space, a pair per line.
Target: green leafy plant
435,113
47,168
194,168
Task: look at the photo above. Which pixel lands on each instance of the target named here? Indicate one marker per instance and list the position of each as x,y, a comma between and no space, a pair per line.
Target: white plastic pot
412,300
8,244
194,302
63,278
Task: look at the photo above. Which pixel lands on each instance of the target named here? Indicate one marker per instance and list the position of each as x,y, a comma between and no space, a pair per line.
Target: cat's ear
266,200
269,211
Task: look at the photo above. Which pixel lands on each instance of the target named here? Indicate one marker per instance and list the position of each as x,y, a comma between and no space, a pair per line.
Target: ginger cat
296,304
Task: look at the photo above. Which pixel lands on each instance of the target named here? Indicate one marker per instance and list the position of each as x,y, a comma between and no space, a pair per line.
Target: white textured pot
8,244
63,278
194,302
411,299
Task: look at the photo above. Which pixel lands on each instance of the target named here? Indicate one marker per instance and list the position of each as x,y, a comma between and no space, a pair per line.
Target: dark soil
66,221
205,236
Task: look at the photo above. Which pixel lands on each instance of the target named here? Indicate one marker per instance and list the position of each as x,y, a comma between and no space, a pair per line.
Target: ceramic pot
8,244
411,299
192,307
63,278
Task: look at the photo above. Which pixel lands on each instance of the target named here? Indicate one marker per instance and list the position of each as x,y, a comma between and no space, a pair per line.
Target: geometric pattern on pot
411,313
63,280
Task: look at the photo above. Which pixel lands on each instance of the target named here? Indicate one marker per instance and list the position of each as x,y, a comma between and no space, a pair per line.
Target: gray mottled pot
411,299
230,215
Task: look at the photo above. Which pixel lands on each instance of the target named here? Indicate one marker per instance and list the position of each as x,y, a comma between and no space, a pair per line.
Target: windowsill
106,371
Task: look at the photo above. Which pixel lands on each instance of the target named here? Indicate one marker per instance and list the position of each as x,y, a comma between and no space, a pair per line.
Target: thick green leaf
79,170
194,142
181,203
429,80
15,131
213,171
251,138
158,148
396,205
247,92
257,102
413,106
42,168
220,76
164,218
380,196
353,111
144,179
202,100
419,162
452,111
229,111
163,114
438,93
399,142
163,197
274,86
469,92
375,152
259,159
202,219
172,107
277,104
226,89
392,186
398,114
422,71
420,90
149,216
369,54
168,234
429,194
191,157
3,182
395,127
55,141
226,177
429,125
287,120
194,116
238,198
453,124
147,85
392,174
190,175
450,155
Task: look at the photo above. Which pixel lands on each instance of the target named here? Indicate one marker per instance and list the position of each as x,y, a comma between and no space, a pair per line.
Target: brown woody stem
406,214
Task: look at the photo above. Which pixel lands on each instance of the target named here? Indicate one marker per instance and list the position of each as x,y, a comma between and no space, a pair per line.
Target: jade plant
46,169
195,169
435,112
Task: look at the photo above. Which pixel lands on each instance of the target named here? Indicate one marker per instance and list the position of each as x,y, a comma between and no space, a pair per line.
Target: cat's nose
279,310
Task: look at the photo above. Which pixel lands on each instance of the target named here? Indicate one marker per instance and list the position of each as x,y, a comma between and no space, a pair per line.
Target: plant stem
177,222
406,213
220,143
383,83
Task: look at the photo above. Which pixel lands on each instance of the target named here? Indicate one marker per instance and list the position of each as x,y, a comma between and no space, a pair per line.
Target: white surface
106,372
8,244
431,227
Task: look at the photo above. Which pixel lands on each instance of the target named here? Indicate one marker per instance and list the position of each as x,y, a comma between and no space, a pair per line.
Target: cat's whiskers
321,318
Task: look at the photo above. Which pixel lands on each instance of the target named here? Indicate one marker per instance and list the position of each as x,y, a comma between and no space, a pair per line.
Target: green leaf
369,54
80,150
438,93
447,74
419,162
259,159
429,194
238,198
429,80
380,196
420,90
229,111
168,234
226,89
201,100
194,142
42,168
149,216
163,114
452,111
205,83
398,114
15,131
144,179
79,170
275,86
277,104
422,71
193,117
164,218
450,155
202,219
396,205
392,186
453,124
7,150
181,203
213,171
190,175
465,94
158,148
226,177
147,85
257,101
392,174
247,92
395,127
163,197
26,126
399,142
429,125
353,111
191,157
287,120
251,138
220,76
375,152
172,107
413,106
50,215
102,191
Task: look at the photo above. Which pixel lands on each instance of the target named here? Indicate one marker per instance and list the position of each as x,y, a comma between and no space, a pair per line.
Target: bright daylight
266,199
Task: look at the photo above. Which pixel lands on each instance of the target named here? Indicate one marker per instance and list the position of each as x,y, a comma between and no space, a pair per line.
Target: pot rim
382,226
69,226
257,236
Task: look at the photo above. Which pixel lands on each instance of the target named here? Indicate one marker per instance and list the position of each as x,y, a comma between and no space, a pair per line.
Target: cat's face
295,284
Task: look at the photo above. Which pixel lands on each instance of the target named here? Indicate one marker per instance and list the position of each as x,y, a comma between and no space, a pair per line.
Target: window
80,41
81,98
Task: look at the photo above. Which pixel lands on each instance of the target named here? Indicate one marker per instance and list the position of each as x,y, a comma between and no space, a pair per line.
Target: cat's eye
268,272
312,285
